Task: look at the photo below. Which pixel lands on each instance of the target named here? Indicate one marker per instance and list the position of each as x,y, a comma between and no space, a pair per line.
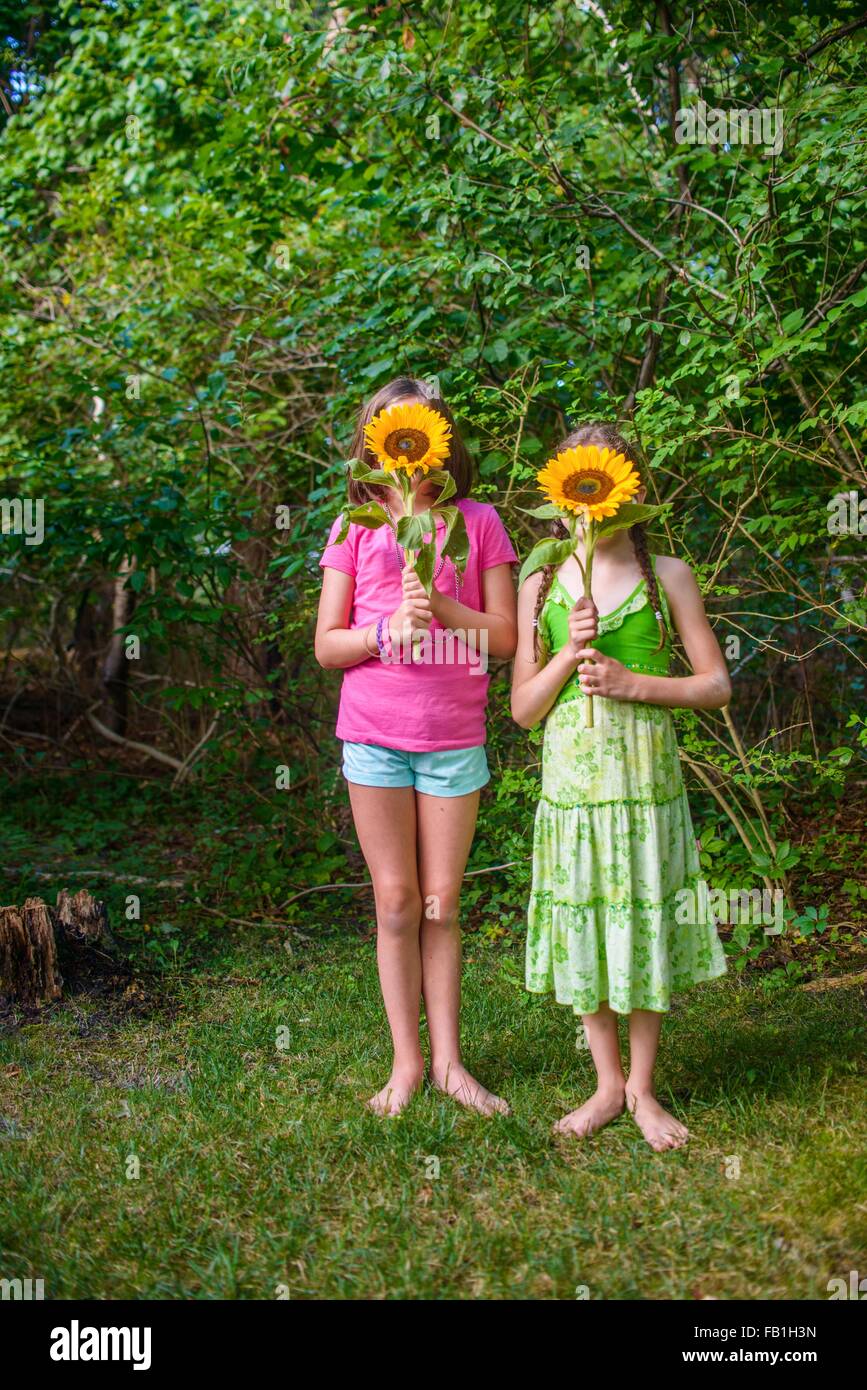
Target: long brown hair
605,436
458,463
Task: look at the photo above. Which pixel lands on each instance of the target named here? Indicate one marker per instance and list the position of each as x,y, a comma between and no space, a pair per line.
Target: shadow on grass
735,1046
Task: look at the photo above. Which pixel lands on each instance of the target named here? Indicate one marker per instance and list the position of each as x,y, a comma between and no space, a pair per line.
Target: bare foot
456,1081
400,1087
600,1109
661,1130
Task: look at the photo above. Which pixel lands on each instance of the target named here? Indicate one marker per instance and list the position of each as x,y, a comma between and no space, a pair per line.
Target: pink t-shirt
437,700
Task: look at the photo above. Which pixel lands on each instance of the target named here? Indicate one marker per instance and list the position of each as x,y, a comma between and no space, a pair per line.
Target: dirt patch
101,995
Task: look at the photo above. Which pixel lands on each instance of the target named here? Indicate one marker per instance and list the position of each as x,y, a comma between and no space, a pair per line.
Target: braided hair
605,436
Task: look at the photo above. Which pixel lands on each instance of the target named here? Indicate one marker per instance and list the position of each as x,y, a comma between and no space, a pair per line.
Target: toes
473,1095
668,1139
493,1105
388,1103
567,1123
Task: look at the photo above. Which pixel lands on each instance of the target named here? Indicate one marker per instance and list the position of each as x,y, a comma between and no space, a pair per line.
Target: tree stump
29,941
28,954
82,920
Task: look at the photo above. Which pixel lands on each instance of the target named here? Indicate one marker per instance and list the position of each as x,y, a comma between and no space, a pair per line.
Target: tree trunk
115,670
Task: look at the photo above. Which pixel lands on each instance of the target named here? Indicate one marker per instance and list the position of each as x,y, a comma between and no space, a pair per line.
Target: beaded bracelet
383,637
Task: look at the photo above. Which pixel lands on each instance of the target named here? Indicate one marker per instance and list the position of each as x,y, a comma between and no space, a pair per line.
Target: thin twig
331,887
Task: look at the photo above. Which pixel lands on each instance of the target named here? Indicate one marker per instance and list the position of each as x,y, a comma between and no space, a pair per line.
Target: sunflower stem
587,571
409,556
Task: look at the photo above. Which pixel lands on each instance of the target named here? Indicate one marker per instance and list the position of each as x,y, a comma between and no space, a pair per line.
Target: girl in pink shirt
412,720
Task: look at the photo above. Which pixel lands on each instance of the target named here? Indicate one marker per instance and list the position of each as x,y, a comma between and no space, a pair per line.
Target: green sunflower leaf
424,564
361,472
547,552
410,532
629,514
456,544
369,514
547,512
447,484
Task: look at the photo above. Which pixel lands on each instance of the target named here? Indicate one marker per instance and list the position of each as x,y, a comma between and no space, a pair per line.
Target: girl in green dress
614,842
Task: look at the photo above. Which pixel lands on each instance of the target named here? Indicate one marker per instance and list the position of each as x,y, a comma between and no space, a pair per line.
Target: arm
498,619
709,687
337,645
535,687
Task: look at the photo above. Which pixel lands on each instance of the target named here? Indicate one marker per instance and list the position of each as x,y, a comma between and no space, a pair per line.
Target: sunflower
408,437
589,480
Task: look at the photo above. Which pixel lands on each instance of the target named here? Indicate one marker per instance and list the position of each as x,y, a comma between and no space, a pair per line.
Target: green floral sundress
613,841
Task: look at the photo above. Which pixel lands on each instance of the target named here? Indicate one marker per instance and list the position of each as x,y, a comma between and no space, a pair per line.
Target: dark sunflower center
587,486
414,444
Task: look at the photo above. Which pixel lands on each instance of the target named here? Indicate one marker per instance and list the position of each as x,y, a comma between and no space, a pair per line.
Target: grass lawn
259,1166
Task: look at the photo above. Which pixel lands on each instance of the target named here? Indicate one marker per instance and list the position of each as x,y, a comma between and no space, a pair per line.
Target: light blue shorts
445,772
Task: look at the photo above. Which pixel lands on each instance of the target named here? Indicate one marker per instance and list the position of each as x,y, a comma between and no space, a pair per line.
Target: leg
445,832
386,826
661,1130
607,1101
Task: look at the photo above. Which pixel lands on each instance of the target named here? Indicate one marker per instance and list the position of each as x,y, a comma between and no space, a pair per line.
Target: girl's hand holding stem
414,614
583,624
597,674
604,675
